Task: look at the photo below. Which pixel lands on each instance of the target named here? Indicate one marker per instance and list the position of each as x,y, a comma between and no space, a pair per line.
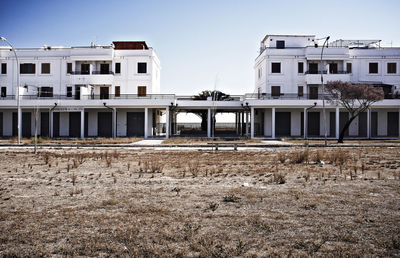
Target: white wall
64,124
267,122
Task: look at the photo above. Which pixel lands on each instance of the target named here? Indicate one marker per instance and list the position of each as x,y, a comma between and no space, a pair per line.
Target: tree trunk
346,126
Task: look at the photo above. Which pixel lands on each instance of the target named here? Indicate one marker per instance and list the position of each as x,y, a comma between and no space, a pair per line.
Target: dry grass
335,202
86,141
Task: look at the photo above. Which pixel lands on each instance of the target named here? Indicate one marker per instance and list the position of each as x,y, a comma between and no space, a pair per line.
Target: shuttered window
27,69
117,67
141,91
391,68
117,91
142,68
3,68
276,67
373,68
45,68
300,67
69,67
349,68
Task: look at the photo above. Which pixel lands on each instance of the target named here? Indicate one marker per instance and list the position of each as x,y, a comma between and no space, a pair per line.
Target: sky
203,44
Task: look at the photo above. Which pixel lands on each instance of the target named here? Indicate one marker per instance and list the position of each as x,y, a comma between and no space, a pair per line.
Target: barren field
280,202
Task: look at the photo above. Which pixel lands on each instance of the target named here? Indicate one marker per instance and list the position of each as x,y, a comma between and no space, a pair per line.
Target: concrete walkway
272,142
148,142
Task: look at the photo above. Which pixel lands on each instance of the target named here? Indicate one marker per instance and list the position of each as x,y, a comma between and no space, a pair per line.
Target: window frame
272,68
139,68
300,64
48,94
395,68
347,67
3,68
3,90
41,68
273,93
22,71
300,93
117,68
69,68
117,91
369,68
140,92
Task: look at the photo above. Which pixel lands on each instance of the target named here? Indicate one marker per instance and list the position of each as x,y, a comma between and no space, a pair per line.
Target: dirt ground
280,202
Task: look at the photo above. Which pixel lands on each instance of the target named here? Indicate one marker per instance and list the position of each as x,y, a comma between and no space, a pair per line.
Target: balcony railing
88,73
284,96
326,72
95,97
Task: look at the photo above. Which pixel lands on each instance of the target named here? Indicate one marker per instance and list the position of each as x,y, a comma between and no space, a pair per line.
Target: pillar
167,128
273,123
337,115
82,123
247,123
209,123
51,123
368,123
252,122
146,123
305,123
19,121
114,123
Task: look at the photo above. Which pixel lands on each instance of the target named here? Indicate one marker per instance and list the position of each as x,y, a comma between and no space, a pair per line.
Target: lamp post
323,89
39,93
18,98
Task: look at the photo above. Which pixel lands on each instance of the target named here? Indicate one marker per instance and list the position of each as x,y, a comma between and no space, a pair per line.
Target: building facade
288,85
114,91
94,91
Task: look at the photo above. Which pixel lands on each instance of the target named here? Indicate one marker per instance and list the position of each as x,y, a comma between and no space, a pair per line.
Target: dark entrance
135,124
26,124
44,124
75,124
1,123
104,92
86,124
343,118
362,124
393,124
104,124
56,124
374,124
313,92
282,123
313,123
332,124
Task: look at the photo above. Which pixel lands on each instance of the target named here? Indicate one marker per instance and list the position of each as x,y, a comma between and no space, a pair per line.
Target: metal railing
8,97
94,97
326,72
88,73
192,98
288,96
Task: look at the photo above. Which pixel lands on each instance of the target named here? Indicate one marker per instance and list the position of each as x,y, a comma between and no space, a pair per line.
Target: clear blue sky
196,41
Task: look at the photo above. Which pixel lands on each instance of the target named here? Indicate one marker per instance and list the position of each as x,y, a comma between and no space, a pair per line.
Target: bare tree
356,98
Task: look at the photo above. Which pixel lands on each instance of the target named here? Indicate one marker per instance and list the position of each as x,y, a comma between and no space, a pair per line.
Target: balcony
314,77
284,96
96,77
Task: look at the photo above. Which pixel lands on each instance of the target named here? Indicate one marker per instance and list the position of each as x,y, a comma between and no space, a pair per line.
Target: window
117,67
373,67
275,91
69,92
333,68
280,44
69,67
45,92
391,68
313,68
300,92
349,68
259,73
276,67
142,67
45,68
117,91
3,68
85,68
27,69
141,91
3,92
300,67
104,69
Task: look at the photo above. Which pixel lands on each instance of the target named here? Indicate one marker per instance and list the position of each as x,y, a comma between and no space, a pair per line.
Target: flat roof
286,35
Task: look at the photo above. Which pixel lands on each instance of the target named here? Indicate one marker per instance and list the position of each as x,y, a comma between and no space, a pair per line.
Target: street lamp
18,99
39,93
323,89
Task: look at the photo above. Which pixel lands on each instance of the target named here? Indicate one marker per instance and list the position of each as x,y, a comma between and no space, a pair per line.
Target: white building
114,91
288,81
82,91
